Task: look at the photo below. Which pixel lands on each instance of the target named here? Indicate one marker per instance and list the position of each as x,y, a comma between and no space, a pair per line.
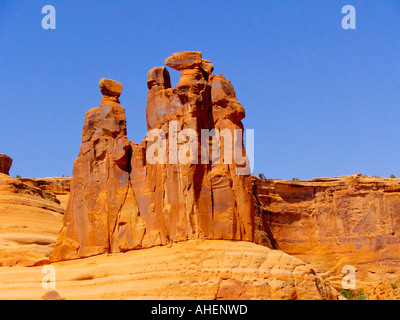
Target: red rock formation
30,219
229,179
330,223
100,180
5,164
124,199
57,186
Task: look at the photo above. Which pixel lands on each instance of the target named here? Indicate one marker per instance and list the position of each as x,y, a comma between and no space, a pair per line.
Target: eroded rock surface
100,182
30,220
334,222
121,199
199,269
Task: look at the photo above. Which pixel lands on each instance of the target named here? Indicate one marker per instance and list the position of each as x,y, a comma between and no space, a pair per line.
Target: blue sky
323,101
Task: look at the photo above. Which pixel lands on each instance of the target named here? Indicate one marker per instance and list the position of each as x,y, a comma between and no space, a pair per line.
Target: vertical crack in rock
121,200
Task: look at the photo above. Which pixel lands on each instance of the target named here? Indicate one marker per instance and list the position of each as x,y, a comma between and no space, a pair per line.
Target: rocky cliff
333,222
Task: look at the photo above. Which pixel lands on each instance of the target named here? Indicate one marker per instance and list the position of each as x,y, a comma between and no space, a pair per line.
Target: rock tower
122,200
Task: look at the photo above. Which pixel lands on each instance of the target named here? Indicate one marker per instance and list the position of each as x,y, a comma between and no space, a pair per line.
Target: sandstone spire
100,180
120,200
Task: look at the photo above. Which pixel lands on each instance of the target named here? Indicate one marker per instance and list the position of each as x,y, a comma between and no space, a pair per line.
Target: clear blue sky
323,101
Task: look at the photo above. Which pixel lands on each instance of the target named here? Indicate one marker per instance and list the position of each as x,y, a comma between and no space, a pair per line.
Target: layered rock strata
199,269
335,222
30,220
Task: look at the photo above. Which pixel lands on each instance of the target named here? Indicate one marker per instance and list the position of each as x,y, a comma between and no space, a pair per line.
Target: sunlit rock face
126,196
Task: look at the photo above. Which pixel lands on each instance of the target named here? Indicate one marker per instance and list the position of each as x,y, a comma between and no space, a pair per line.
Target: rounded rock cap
110,87
184,60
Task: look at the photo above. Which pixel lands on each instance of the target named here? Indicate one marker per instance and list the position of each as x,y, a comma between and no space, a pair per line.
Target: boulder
52,295
110,88
184,60
5,164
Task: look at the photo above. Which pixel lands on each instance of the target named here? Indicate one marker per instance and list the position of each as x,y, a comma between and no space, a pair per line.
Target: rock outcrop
30,220
5,164
172,187
100,182
57,188
199,269
333,222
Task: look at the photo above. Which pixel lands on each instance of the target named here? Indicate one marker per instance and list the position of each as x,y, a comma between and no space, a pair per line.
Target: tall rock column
100,180
231,180
182,201
175,198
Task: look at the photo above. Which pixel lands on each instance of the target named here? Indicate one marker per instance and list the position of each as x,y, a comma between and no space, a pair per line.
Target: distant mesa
5,164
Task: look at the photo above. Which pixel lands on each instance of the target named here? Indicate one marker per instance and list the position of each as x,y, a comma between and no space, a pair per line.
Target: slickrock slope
30,220
199,269
330,223
121,199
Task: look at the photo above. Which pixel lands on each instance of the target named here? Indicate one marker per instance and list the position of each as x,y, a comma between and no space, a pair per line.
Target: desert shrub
262,176
348,294
360,295
351,295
